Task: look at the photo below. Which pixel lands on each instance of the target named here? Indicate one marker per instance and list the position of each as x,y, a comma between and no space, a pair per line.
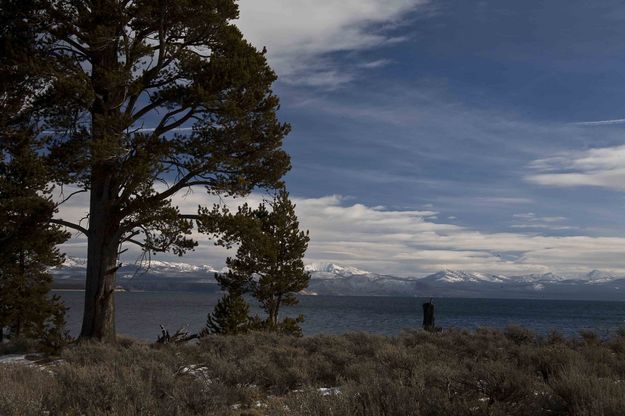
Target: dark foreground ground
417,373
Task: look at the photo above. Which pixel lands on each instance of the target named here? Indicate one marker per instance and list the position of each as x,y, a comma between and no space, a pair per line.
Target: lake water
140,313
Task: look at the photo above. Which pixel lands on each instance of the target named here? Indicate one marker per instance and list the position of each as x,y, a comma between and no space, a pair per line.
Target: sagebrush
486,372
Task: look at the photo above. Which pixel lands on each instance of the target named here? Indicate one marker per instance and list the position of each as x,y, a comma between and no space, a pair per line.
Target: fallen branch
181,335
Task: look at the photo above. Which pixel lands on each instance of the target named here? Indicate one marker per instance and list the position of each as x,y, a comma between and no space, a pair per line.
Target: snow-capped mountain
598,276
355,282
339,280
538,278
331,270
154,266
164,267
155,275
454,276
73,262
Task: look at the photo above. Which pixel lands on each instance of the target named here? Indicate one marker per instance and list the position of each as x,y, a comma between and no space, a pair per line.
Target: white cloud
532,221
299,34
376,64
601,122
411,243
603,167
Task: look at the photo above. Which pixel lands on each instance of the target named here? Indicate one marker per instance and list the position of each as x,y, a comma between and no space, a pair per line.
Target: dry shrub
26,390
583,394
520,335
454,372
589,336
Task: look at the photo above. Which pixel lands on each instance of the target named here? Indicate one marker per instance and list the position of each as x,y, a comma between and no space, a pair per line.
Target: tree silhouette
27,242
116,80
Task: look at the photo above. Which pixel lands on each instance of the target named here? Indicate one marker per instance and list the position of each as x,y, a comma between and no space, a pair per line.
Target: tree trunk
104,222
23,292
273,311
102,246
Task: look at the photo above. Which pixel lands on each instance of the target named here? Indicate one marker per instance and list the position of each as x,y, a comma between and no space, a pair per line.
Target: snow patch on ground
14,359
39,361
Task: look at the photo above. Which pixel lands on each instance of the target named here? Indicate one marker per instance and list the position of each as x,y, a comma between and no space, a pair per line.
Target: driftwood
181,335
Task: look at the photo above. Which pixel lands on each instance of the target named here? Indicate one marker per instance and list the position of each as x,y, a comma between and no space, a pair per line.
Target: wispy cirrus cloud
300,35
532,221
602,167
601,122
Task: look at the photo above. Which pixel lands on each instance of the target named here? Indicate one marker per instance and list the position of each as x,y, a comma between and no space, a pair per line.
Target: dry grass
486,372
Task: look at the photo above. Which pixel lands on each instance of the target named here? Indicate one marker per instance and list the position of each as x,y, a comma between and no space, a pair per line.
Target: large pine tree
118,80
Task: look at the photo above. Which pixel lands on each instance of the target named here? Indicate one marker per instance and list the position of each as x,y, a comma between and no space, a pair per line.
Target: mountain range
337,280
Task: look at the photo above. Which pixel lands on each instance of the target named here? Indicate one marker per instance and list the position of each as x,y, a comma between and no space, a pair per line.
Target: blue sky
451,134
452,109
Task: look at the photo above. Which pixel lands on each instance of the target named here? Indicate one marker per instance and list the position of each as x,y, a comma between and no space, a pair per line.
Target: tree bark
102,246
272,312
104,221
23,292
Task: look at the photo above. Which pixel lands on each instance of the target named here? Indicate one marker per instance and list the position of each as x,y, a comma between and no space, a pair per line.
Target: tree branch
149,107
182,183
69,225
146,246
163,128
80,191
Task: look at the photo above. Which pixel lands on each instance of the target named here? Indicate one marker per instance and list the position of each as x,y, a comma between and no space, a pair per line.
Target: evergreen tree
231,315
27,239
27,245
269,261
106,70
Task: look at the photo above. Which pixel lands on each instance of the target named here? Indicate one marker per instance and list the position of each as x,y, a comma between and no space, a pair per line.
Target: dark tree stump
428,316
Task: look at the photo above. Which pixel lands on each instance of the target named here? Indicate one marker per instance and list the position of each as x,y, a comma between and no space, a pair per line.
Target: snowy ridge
74,262
546,277
598,276
166,266
454,276
155,266
334,269
338,280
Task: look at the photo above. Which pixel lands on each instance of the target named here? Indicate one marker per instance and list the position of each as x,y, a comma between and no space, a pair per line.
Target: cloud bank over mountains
337,280
452,162
405,242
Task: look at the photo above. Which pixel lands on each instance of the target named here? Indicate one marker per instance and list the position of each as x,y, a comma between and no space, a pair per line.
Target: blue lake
140,313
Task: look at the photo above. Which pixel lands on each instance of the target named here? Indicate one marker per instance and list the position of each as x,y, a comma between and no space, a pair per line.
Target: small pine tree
269,261
270,255
281,272
230,316
27,242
